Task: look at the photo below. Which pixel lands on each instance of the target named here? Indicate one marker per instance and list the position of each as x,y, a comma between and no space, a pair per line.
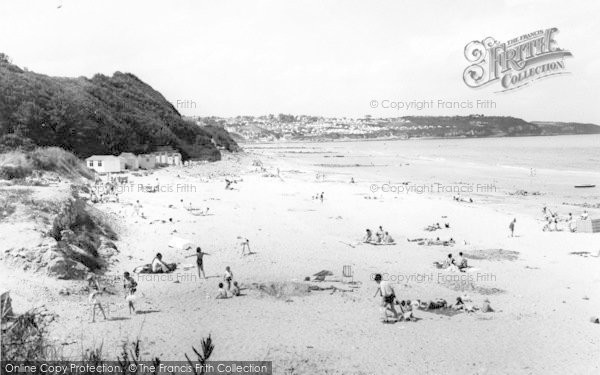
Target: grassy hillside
101,115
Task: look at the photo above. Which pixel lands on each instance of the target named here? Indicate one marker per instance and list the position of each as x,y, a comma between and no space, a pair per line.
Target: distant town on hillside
291,127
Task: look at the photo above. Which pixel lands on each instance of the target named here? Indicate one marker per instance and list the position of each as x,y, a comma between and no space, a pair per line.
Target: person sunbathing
158,266
439,303
436,242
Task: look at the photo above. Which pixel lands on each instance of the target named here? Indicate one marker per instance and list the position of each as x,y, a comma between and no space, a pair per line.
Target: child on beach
236,289
199,261
137,208
130,285
511,226
95,303
221,293
228,277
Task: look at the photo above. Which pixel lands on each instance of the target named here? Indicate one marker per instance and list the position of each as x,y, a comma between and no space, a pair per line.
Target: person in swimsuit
199,261
95,291
130,285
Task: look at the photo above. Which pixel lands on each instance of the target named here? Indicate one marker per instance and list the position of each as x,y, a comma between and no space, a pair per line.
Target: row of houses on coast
128,161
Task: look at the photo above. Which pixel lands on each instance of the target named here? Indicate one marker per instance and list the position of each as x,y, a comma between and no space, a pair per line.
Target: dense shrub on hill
101,115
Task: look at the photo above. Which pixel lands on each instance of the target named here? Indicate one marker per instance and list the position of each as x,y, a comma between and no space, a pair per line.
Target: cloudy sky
321,57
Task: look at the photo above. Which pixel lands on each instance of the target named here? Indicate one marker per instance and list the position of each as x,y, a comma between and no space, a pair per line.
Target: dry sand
543,296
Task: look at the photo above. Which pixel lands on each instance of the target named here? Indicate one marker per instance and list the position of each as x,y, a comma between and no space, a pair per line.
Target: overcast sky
316,57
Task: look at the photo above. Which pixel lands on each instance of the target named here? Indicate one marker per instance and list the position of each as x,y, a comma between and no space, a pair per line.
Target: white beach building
105,163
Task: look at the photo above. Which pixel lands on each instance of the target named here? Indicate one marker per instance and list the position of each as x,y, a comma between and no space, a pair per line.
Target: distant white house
131,161
106,163
147,161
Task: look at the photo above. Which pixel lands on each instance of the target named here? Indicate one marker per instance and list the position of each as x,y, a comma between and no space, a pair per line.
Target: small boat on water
585,186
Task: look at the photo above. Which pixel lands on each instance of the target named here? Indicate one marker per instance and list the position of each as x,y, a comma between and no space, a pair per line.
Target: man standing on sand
511,226
387,299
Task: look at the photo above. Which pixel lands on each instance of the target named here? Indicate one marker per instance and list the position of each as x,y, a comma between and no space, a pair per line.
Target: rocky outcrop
75,245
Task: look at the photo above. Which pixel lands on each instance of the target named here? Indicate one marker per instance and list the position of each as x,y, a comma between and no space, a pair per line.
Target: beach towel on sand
147,268
180,243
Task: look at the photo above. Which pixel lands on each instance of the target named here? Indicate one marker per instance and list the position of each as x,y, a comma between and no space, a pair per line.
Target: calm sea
550,165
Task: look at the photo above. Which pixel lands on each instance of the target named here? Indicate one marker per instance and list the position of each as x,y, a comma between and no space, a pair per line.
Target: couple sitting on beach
452,264
231,291
381,237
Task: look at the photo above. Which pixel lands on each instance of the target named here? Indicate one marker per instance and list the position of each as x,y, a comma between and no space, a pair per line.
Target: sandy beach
542,295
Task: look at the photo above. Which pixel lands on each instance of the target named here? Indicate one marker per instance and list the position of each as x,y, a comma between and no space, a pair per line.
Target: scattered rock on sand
595,319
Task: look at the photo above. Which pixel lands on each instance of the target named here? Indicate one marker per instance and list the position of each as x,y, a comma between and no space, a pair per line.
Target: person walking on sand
228,277
93,297
388,296
199,261
130,285
511,226
322,196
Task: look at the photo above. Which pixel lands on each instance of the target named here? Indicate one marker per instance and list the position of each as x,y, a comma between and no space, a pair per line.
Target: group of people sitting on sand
389,302
552,220
436,226
232,289
451,264
381,237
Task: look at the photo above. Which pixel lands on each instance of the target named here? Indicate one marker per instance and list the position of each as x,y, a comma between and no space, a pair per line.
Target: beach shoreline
294,236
